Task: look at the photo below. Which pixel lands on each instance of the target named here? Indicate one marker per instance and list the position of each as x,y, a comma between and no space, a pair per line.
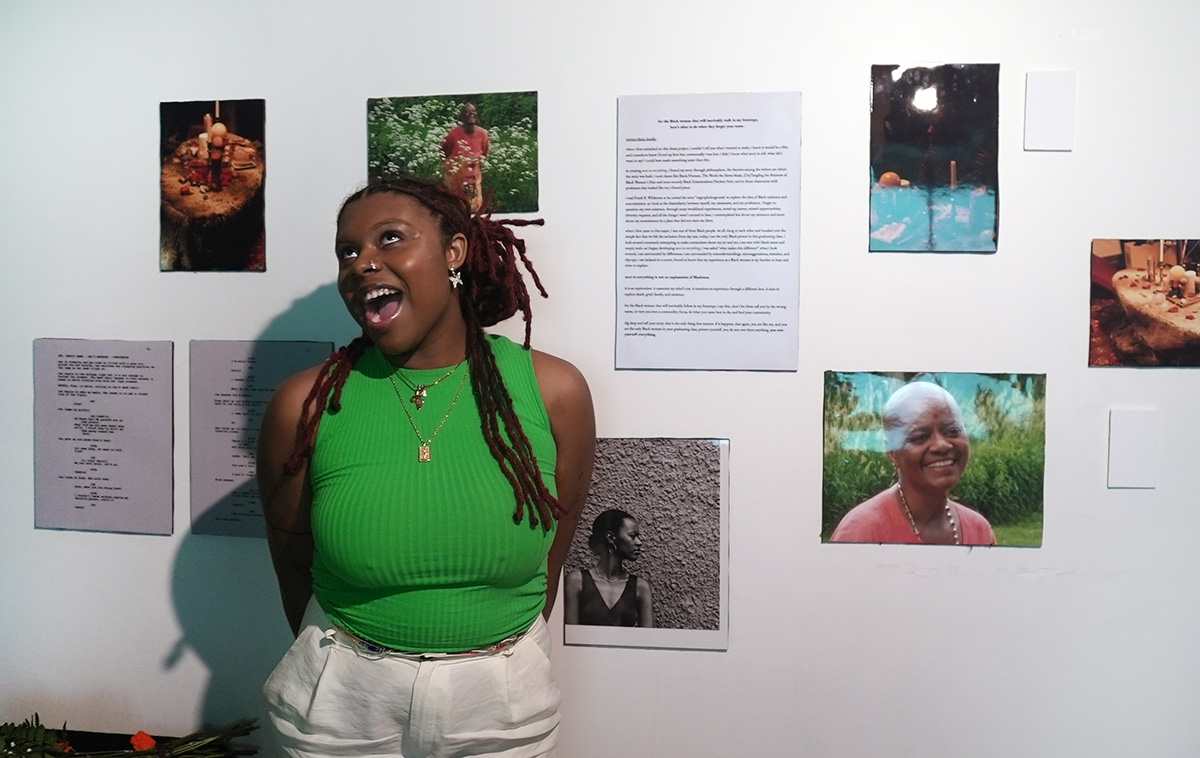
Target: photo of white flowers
497,165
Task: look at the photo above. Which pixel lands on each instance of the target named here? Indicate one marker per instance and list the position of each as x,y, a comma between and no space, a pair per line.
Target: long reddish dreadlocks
493,290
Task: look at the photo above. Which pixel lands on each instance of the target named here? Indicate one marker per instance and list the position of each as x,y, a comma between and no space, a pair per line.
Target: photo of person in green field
484,146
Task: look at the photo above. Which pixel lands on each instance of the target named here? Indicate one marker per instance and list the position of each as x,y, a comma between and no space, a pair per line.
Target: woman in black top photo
607,594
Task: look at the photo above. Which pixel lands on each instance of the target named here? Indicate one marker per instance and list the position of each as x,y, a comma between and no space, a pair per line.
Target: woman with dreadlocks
421,489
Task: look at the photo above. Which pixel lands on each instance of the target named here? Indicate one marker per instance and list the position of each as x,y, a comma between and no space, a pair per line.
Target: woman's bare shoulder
557,376
299,383
574,580
564,390
283,414
288,398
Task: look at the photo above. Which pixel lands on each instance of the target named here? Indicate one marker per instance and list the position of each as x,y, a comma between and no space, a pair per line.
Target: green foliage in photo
1004,478
404,136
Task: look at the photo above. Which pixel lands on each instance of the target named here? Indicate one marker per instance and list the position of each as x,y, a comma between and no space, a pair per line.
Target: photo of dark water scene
934,137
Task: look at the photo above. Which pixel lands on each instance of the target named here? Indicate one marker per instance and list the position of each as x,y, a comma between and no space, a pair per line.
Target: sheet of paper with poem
230,384
708,231
103,435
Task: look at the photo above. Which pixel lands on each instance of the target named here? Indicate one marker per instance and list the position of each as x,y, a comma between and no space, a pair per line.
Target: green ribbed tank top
424,556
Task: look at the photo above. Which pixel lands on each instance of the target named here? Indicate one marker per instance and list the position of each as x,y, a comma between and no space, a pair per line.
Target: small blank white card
1133,448
1050,110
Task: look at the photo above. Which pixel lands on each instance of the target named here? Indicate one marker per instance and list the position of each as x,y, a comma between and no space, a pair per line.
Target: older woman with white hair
927,443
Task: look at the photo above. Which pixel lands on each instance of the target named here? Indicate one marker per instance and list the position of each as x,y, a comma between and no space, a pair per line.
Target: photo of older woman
899,450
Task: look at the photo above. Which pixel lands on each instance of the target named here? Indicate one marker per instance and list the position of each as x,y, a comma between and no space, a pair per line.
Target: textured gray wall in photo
673,488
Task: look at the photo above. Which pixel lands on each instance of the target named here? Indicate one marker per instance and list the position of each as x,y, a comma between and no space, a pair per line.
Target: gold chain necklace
419,390
913,522
423,452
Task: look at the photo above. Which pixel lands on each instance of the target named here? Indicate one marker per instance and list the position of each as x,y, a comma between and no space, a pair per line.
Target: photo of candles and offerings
933,158
212,186
1145,303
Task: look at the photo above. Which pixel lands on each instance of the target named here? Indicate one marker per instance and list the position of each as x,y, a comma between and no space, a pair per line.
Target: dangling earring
455,278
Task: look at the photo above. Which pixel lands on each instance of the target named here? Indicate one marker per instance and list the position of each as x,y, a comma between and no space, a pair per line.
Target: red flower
142,741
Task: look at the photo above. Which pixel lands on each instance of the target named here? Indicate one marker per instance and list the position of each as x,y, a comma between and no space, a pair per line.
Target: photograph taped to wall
484,146
934,147
1145,303
211,186
924,458
649,563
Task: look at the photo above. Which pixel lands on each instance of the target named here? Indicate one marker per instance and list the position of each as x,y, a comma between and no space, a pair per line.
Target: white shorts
329,698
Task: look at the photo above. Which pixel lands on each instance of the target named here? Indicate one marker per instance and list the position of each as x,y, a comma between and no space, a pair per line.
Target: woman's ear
892,457
456,251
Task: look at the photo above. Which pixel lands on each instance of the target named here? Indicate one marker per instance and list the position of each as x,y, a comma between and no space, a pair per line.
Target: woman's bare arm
573,423
572,586
286,498
645,604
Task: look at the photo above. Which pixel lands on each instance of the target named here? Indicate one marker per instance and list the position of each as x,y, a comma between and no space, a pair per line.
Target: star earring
455,278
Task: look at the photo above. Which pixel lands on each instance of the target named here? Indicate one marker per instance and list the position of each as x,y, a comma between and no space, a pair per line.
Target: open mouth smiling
381,304
942,463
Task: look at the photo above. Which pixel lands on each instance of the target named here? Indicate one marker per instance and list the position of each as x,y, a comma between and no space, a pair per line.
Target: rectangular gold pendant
423,454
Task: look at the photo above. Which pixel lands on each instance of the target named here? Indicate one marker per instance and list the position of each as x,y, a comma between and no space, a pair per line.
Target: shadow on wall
316,317
223,588
673,488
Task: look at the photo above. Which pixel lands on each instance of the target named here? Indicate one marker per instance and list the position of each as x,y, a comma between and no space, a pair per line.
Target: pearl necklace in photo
913,522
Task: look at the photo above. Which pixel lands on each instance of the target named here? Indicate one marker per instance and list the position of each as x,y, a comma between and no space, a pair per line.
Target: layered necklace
419,390
913,522
424,454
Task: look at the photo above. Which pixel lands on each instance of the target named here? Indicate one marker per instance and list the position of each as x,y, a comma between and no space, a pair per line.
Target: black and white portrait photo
647,567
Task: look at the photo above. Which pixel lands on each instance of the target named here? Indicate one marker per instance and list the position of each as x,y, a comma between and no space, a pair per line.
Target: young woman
607,594
418,525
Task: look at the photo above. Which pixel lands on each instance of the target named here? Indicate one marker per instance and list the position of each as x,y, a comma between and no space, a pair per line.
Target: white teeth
939,464
376,293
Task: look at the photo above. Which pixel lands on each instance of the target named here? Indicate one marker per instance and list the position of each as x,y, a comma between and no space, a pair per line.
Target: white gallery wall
1083,647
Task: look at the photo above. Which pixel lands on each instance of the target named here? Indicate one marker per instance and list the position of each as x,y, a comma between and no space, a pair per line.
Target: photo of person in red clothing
465,147
444,137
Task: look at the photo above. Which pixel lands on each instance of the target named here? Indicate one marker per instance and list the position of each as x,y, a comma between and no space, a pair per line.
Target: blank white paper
1133,448
1050,110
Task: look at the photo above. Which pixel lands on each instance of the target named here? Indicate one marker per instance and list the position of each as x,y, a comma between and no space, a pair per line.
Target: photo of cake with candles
934,137
1145,303
211,212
